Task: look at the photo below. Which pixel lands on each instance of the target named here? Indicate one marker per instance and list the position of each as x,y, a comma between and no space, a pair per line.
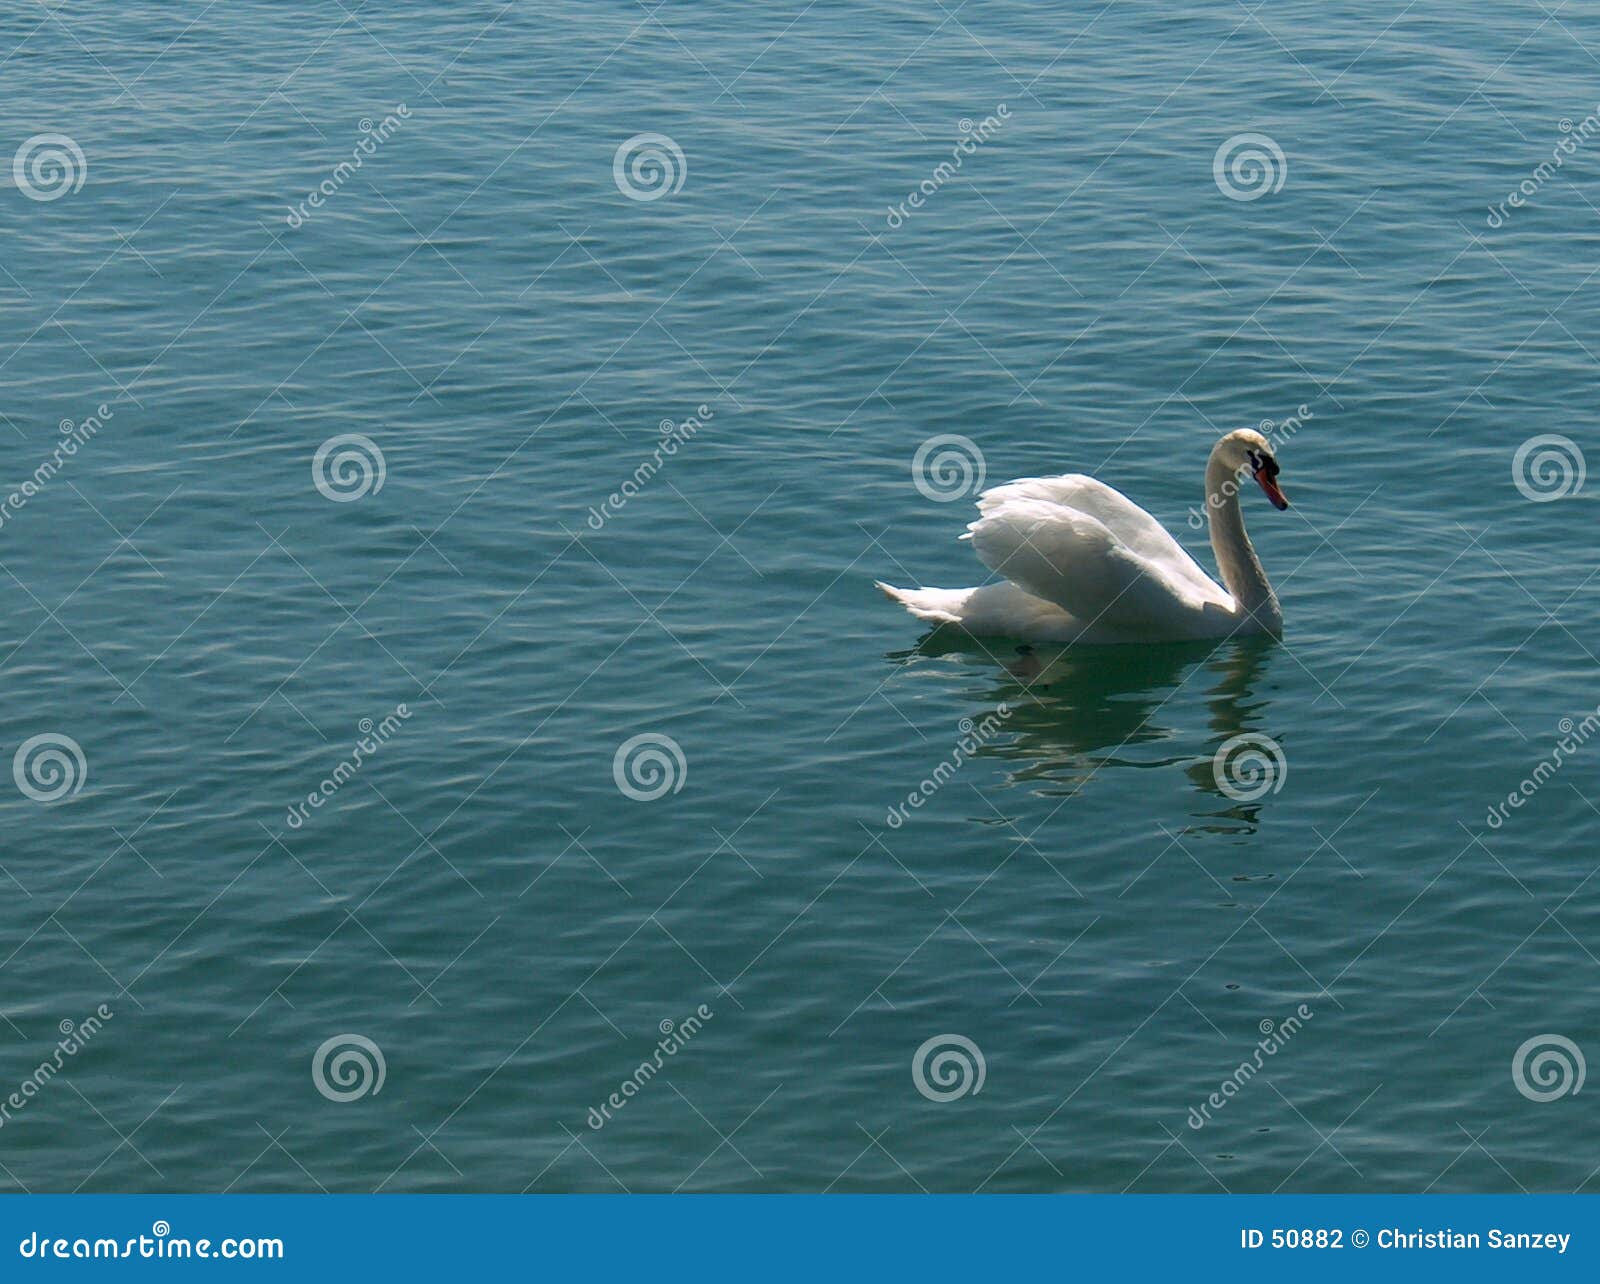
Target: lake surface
504,311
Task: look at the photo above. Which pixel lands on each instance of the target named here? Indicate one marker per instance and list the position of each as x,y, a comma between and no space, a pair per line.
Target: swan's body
1083,563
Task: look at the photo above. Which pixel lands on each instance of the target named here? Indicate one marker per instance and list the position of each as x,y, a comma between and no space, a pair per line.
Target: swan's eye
1263,464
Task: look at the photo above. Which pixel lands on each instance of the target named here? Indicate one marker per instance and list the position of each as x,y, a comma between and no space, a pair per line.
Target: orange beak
1270,487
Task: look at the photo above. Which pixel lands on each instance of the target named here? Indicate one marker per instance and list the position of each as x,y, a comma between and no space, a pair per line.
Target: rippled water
486,302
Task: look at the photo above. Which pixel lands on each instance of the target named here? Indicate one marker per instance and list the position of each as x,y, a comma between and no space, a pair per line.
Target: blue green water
1078,898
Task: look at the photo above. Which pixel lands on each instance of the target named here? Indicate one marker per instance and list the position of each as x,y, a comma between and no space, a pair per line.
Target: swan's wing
1079,543
1141,533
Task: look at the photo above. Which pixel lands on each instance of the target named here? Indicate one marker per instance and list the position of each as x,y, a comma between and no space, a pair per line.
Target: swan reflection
1075,711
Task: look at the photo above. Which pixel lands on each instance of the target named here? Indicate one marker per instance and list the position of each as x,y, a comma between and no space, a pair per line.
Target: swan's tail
1001,609
936,606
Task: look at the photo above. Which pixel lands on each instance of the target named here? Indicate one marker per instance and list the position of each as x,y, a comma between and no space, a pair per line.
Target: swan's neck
1236,556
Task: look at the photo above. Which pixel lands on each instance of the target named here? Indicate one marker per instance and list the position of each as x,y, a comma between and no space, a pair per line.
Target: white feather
1084,563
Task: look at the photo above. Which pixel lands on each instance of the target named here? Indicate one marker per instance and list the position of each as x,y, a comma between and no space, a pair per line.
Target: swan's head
1247,453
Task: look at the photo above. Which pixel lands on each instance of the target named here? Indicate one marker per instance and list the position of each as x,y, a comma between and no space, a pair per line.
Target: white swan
1083,563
